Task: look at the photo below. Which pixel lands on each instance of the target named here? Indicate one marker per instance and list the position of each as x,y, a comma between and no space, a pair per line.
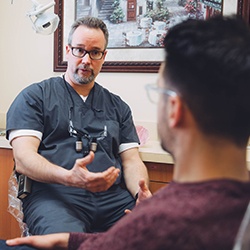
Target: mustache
84,67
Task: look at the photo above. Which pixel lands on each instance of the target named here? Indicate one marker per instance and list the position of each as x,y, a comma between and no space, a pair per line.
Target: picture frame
121,59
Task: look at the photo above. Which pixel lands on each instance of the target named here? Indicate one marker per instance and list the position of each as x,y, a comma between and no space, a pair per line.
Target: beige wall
26,57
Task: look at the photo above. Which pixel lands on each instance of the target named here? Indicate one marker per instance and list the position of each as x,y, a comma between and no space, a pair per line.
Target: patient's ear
175,112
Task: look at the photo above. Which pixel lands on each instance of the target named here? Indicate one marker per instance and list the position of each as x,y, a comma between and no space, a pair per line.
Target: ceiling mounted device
44,22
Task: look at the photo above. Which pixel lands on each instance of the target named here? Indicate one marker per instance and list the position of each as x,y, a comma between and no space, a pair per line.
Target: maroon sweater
204,215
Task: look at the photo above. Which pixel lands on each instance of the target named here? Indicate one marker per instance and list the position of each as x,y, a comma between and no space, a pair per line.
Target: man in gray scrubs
52,126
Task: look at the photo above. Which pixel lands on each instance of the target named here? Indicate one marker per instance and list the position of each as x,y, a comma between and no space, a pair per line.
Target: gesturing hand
144,193
81,177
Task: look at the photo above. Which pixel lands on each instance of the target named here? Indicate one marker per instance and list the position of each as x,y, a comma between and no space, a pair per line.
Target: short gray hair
90,22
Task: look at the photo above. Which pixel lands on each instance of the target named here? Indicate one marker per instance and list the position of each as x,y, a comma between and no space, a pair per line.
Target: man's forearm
33,165
133,175
40,169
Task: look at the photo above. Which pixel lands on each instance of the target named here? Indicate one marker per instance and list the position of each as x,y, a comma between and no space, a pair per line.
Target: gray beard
84,80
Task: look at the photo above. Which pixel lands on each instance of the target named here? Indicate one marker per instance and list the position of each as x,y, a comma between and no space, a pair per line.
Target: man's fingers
143,185
127,211
85,160
97,182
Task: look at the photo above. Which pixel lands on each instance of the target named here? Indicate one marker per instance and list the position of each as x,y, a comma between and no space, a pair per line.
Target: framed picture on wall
136,27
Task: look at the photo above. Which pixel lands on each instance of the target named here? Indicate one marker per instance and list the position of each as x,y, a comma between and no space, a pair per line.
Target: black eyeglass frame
86,52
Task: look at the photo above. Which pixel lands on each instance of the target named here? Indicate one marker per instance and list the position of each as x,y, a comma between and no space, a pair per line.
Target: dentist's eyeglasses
153,92
93,54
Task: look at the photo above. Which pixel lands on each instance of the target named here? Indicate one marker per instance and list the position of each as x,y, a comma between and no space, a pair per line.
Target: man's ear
67,51
105,53
104,56
175,111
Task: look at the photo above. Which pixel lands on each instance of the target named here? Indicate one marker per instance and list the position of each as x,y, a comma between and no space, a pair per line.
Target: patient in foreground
204,122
